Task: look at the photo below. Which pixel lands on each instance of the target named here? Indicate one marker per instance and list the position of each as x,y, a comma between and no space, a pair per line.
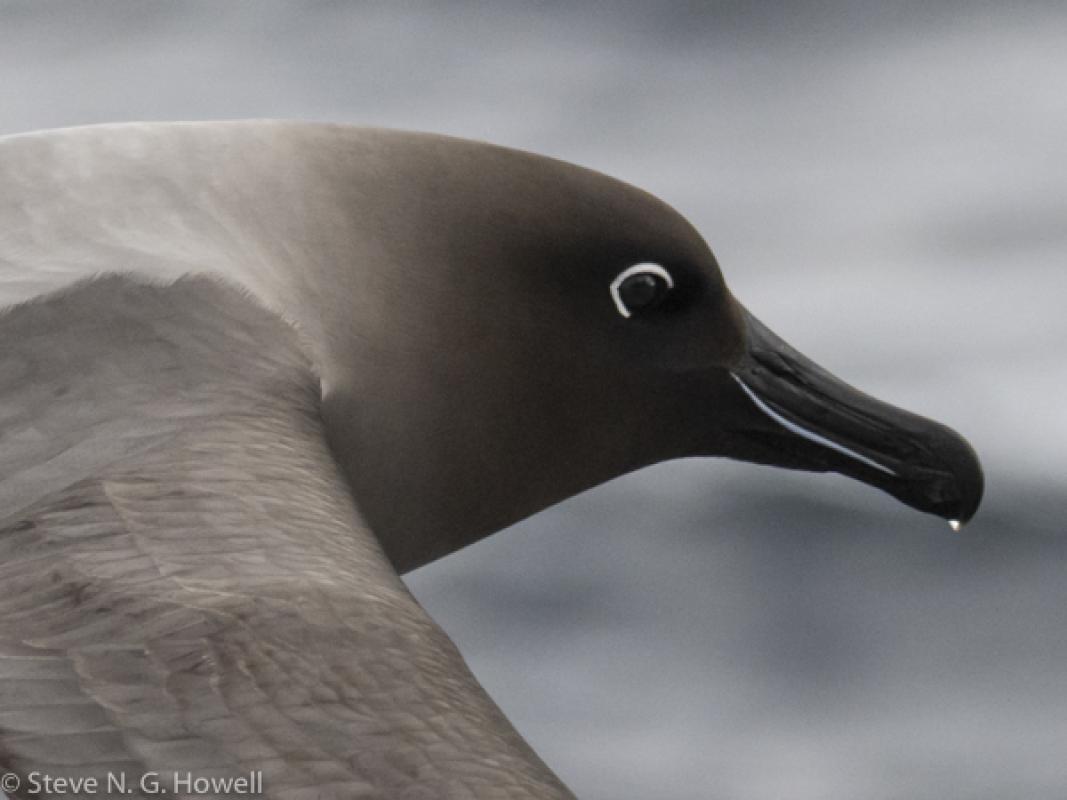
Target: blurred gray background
885,184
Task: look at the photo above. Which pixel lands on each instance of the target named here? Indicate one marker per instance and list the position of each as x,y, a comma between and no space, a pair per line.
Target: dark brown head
528,329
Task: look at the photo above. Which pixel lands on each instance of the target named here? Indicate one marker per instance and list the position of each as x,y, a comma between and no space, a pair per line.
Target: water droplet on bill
955,524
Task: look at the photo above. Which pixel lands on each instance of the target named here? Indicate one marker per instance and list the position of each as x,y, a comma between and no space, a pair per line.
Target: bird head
538,328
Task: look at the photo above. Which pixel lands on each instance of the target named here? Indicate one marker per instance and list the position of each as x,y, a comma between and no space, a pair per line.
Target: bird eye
640,288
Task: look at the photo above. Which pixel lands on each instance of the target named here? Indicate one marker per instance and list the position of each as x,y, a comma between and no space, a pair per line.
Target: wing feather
187,585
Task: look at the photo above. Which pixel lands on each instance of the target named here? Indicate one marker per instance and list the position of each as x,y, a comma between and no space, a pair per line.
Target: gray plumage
187,583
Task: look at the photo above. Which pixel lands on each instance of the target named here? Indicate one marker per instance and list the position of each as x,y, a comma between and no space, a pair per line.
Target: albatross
252,372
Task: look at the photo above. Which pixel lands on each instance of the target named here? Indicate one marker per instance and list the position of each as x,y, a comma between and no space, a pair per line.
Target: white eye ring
637,269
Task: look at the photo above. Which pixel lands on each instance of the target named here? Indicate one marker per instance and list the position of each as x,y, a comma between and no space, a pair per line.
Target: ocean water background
885,184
